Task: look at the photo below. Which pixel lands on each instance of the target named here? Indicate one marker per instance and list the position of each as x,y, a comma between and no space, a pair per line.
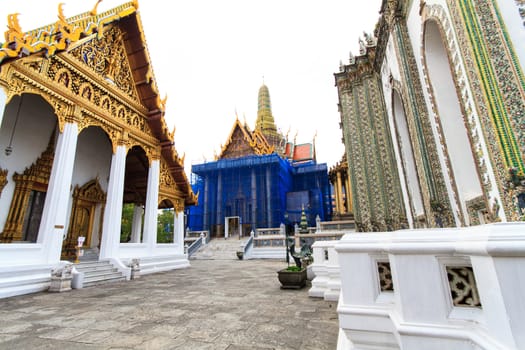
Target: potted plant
294,277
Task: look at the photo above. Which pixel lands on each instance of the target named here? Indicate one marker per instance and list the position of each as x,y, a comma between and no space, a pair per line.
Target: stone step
100,281
99,272
219,249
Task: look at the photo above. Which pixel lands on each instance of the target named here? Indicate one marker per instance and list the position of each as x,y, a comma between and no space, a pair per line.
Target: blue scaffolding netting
262,191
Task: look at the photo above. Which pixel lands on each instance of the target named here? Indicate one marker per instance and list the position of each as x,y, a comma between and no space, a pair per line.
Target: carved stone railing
192,249
429,289
247,246
345,225
192,236
327,281
272,231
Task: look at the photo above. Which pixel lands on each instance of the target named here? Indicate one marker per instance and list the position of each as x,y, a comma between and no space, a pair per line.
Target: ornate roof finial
369,39
93,12
362,47
61,16
351,58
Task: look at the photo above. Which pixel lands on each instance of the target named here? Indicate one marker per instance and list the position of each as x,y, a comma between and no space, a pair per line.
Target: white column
178,229
136,225
113,213
152,206
52,226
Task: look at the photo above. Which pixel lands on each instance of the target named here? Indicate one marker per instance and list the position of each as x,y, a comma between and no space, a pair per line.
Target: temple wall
376,191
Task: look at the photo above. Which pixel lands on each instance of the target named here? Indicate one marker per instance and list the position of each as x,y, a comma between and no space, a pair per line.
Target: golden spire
265,122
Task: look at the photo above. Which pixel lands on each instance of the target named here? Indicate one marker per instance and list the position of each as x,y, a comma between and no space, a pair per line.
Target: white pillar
178,229
113,213
52,226
152,206
136,225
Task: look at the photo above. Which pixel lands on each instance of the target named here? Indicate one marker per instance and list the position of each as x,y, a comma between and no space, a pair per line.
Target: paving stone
215,304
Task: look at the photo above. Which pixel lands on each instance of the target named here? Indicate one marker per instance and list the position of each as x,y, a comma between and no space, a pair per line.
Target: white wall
35,125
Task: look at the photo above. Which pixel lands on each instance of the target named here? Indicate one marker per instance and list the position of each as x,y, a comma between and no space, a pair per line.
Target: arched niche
454,138
27,144
408,173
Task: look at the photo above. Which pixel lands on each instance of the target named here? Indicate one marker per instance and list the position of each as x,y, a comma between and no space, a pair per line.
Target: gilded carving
3,179
30,184
56,37
179,205
107,57
86,91
166,179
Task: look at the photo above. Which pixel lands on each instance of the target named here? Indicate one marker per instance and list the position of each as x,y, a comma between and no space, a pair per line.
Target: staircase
219,249
99,272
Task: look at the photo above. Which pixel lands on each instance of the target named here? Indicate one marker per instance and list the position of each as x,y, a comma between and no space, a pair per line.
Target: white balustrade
433,289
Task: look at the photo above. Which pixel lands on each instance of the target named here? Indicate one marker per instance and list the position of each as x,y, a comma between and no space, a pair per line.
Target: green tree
165,226
127,222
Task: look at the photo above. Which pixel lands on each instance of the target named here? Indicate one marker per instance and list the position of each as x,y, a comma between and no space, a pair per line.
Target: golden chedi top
265,122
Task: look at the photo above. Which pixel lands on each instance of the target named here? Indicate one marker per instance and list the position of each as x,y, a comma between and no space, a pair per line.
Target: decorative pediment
242,142
107,56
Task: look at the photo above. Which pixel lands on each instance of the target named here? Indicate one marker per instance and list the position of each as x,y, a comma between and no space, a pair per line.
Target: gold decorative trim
56,37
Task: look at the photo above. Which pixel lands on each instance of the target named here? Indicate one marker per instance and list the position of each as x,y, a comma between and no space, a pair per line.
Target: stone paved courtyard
215,304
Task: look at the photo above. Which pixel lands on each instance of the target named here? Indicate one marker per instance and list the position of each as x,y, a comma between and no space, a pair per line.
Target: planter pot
240,255
292,279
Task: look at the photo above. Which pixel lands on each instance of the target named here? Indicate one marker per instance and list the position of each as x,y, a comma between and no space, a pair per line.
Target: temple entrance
232,226
86,200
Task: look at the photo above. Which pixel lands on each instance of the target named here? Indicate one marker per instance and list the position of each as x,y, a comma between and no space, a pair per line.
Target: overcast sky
210,57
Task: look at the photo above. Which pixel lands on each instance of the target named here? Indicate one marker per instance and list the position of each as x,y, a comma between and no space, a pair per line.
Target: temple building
432,114
82,135
260,180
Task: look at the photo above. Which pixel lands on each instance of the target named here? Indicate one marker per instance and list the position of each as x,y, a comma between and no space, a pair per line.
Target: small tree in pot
294,277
